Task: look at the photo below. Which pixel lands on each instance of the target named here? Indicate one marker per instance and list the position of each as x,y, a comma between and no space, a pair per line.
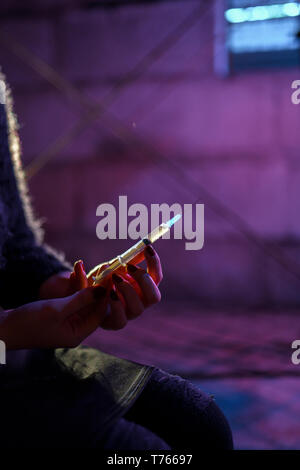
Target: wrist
17,328
5,330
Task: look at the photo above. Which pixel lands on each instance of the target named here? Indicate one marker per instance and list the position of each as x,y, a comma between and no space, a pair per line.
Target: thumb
82,299
85,310
80,275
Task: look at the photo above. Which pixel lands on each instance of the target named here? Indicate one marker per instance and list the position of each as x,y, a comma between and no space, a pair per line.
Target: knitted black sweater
69,397
25,262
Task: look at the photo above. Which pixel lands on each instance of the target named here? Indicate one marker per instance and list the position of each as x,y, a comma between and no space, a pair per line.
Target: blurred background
177,101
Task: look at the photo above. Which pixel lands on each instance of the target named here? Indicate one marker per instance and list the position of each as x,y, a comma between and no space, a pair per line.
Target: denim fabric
67,398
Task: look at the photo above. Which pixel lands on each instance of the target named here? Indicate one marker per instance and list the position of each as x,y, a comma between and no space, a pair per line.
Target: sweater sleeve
29,262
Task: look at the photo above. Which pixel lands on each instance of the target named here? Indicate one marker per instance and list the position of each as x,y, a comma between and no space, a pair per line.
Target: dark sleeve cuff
25,273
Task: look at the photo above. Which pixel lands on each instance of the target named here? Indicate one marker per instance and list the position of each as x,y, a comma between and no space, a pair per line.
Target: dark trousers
170,413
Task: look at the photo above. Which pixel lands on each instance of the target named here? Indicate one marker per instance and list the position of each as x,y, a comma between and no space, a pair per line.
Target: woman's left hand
67,283
132,289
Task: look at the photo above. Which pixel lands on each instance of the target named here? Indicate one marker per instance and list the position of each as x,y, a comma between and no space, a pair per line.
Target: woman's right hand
63,322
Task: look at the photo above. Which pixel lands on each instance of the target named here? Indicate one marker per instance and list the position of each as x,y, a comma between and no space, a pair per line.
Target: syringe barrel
158,232
129,254
122,259
132,252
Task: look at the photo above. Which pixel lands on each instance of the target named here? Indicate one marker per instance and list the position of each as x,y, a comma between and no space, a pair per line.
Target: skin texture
71,308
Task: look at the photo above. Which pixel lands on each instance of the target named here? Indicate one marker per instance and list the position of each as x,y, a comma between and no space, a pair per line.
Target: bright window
261,33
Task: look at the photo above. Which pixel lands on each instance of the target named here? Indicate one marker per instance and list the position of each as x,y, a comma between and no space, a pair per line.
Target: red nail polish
131,268
82,265
117,278
150,250
99,292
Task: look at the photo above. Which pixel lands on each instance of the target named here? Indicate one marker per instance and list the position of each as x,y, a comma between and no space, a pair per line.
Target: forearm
16,331
6,333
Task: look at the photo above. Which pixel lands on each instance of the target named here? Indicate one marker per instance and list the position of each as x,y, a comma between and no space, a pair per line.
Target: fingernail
99,292
114,295
79,265
150,250
146,241
117,278
131,268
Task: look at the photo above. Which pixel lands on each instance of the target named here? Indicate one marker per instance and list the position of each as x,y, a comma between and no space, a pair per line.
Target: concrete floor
242,358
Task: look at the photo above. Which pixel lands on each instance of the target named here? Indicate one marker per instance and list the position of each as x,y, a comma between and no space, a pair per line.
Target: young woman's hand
131,291
64,322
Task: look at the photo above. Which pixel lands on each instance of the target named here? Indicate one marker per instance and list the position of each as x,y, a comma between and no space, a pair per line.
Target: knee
218,433
127,435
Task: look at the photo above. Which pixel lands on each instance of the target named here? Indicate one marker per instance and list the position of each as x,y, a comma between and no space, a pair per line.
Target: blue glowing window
261,33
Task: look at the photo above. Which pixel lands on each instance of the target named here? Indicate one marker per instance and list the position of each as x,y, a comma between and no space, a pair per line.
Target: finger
82,299
106,283
73,282
153,264
133,304
95,269
96,272
77,277
117,317
81,278
89,316
150,291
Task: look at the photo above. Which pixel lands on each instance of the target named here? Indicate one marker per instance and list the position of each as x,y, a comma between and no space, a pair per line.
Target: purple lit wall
237,137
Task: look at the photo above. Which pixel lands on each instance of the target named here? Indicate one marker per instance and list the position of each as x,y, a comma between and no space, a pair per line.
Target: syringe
136,249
